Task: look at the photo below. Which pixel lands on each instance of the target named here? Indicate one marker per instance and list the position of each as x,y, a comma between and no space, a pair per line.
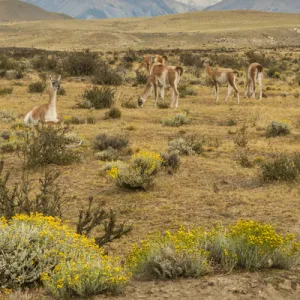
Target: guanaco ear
152,59
59,78
50,78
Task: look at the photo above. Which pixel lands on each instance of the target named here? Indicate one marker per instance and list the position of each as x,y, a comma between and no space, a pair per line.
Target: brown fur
149,59
221,76
254,72
165,75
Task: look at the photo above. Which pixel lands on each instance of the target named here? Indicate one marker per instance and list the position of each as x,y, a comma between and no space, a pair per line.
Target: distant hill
288,6
101,9
14,10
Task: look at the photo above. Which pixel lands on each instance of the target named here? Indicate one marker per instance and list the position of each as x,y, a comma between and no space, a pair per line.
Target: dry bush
6,91
187,145
177,120
48,145
36,87
171,161
80,63
104,141
277,129
281,167
113,113
105,75
186,90
98,98
242,137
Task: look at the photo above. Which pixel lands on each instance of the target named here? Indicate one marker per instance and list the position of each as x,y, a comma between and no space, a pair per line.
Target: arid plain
208,189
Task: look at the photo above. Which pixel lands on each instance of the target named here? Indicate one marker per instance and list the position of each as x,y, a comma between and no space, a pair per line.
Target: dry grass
253,29
209,188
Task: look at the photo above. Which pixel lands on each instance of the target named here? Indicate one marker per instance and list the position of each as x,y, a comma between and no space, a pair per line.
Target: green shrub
73,120
189,59
42,248
6,91
104,141
257,57
188,145
177,120
278,129
281,167
7,116
141,78
140,173
163,105
130,56
36,87
185,90
91,120
98,98
62,91
128,103
113,113
81,63
44,62
105,75
171,161
18,198
170,256
109,154
49,145
242,137
231,122
252,246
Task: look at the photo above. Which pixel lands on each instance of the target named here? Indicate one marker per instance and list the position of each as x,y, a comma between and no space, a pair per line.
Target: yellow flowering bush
140,171
252,245
170,255
37,247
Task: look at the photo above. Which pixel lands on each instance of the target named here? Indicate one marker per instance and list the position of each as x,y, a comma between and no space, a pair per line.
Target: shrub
139,174
278,129
188,145
36,87
257,57
91,120
49,145
242,137
170,256
81,63
189,59
6,116
109,154
130,56
103,142
19,199
244,160
231,122
104,75
252,246
281,167
44,62
113,113
94,217
141,78
129,103
163,105
62,91
185,90
6,91
177,120
98,98
73,120
68,264
171,161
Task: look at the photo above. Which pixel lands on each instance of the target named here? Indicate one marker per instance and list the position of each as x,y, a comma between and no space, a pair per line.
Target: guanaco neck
209,70
52,99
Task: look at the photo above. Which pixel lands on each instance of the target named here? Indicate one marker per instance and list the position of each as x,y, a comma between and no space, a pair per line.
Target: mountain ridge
15,10
100,9
285,6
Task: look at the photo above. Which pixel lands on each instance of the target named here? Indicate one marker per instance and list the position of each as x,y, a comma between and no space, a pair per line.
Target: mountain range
287,6
14,10
100,9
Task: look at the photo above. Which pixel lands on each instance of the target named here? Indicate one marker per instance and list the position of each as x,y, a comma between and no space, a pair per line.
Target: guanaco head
206,62
140,102
55,83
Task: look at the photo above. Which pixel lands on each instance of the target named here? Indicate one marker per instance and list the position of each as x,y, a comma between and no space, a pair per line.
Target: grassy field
201,30
208,189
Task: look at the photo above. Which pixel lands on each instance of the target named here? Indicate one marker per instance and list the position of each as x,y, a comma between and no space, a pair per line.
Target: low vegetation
177,120
98,98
